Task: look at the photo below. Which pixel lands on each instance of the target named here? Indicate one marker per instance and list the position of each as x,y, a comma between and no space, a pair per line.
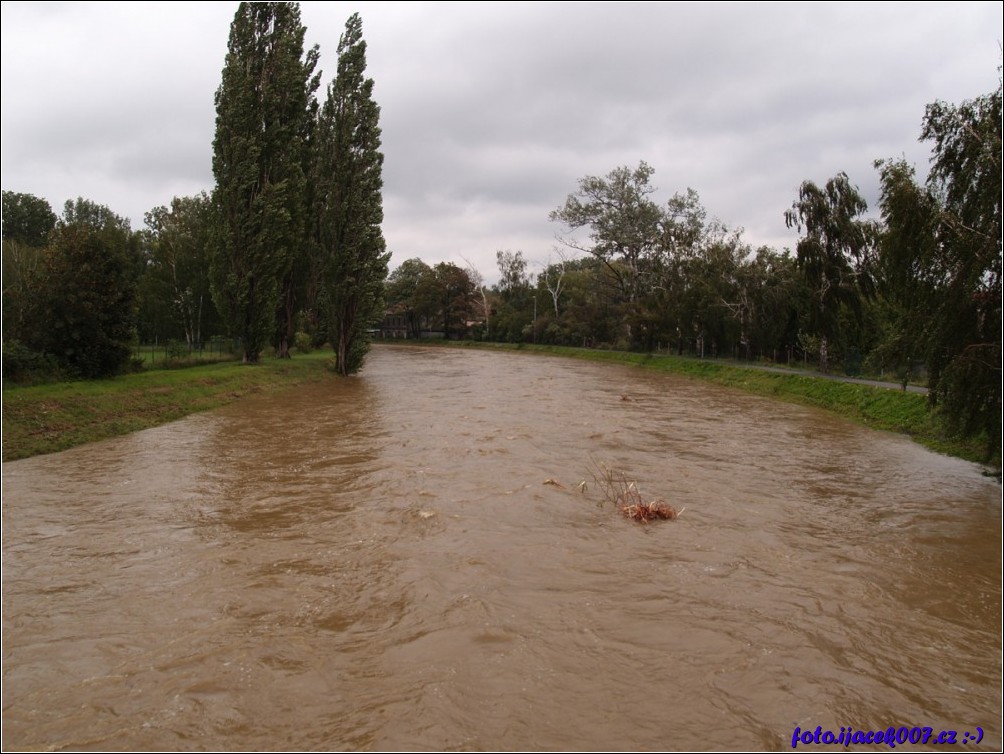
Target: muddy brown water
376,563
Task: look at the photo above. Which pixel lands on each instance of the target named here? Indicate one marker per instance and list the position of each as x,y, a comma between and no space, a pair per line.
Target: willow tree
348,185
942,262
833,254
262,116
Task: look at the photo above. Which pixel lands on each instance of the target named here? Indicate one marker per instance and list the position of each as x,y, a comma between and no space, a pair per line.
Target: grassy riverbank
876,407
48,418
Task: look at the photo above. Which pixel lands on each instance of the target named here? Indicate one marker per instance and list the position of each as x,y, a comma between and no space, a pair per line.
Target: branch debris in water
625,495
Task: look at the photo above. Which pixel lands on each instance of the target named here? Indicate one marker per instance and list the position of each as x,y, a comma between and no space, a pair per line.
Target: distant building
394,326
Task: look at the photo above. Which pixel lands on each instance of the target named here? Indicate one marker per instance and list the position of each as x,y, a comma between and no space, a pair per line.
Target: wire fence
214,349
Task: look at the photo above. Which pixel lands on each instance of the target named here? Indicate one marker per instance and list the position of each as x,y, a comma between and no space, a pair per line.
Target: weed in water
624,494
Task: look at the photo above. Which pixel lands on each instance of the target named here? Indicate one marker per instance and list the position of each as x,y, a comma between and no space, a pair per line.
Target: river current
409,559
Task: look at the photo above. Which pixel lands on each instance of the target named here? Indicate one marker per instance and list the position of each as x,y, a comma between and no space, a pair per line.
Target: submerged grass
876,407
48,418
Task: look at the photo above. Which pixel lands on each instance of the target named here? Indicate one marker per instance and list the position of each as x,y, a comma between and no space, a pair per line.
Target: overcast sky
491,113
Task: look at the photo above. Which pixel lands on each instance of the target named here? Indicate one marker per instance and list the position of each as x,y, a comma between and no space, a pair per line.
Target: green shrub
175,349
22,364
303,342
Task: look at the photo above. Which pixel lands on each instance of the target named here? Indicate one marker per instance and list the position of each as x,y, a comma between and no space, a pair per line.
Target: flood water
377,563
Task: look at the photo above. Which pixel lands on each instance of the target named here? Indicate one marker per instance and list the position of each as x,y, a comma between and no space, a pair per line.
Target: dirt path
841,378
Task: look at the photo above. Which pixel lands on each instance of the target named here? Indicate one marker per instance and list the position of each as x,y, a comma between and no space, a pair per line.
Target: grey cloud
492,112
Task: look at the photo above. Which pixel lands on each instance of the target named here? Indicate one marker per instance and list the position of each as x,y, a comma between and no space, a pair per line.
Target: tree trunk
282,351
198,326
342,352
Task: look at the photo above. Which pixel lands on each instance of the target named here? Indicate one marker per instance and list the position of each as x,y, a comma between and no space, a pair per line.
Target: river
378,563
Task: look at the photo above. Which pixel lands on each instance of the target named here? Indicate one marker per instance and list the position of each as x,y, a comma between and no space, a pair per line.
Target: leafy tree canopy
941,261
834,251
27,219
87,293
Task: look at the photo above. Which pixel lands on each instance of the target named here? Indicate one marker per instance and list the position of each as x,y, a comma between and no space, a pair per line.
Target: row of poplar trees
298,188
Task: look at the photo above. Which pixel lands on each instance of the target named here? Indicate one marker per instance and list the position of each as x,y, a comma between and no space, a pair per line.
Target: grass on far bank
875,407
51,417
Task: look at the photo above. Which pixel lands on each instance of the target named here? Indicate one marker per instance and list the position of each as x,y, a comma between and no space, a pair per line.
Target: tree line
289,240
916,292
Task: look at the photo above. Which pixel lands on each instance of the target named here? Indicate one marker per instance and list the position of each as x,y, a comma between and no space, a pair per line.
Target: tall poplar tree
348,185
262,112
